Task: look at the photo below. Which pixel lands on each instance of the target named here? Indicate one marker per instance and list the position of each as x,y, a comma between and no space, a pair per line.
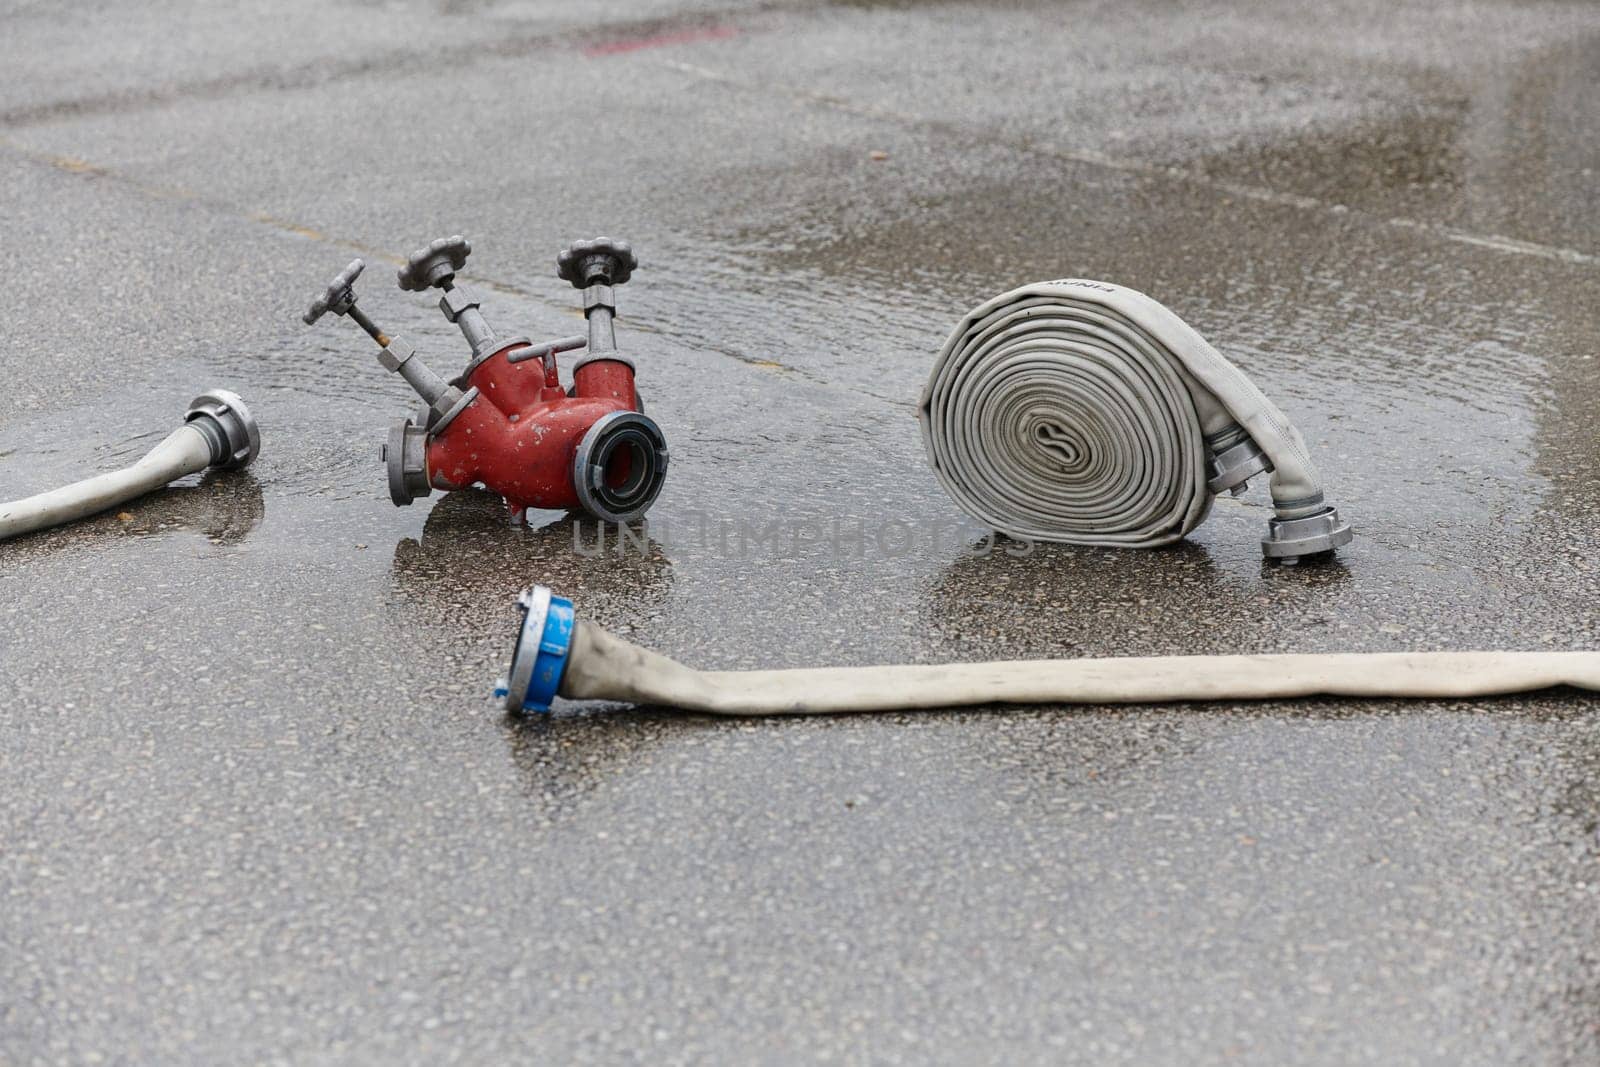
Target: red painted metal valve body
526,439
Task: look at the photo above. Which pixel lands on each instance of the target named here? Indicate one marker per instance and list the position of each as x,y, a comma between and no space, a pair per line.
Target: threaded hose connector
540,656
228,427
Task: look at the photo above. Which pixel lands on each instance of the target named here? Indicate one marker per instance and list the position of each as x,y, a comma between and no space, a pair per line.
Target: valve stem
444,400
595,268
368,325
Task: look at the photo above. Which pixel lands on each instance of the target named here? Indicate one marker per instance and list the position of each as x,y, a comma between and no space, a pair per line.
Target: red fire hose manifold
506,422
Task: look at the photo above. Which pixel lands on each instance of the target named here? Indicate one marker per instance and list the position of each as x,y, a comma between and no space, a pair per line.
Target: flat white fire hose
218,431
557,655
1087,413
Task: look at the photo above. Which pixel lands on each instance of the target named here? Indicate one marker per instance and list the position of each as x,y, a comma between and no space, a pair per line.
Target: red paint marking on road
635,44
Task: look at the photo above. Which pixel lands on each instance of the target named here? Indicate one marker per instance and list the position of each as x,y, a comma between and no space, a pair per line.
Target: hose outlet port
619,466
405,455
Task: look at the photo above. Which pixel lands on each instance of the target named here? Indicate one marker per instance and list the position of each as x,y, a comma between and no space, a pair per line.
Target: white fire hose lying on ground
557,655
1086,413
217,431
1079,412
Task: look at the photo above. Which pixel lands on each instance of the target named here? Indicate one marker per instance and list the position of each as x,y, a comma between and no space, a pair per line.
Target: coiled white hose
218,431
1087,413
605,667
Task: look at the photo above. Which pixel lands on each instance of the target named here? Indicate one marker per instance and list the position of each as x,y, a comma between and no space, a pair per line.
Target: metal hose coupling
218,432
544,641
1087,413
228,427
619,466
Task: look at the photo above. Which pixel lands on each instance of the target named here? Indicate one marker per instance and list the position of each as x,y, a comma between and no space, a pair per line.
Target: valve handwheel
340,298
339,294
601,261
435,265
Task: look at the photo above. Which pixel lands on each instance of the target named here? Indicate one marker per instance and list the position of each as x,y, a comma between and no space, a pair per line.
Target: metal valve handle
601,261
435,265
338,296
546,350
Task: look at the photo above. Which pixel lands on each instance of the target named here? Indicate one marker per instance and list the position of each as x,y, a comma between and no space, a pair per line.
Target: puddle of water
1411,165
1514,152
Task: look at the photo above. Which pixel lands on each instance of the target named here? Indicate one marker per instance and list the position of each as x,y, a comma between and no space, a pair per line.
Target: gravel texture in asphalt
256,804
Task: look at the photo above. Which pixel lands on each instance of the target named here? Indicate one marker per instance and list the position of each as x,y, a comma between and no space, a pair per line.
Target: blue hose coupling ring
540,657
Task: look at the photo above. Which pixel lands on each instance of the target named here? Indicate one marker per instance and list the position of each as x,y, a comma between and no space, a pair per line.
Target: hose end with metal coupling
228,427
1303,528
218,433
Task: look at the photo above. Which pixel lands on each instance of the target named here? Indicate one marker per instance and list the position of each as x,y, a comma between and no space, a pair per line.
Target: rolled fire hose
1082,412
556,655
217,431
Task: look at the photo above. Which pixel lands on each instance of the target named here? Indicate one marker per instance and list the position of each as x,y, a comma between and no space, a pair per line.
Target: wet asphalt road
255,805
